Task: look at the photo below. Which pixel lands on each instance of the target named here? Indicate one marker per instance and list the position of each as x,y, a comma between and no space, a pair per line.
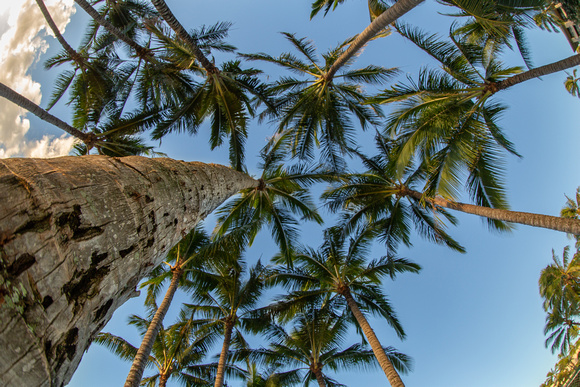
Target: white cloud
21,44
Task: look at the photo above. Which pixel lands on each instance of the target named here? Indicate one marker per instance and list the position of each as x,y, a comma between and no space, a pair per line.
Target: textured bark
221,370
556,223
176,26
33,108
76,236
138,366
537,72
380,354
400,8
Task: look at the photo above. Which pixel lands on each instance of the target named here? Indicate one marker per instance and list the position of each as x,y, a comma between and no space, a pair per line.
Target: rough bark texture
556,223
221,371
380,354
76,236
138,366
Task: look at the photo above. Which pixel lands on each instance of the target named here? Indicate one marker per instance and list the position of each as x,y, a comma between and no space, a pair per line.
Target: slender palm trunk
400,8
176,26
537,72
25,103
220,375
380,354
556,223
141,51
77,234
71,51
317,371
163,379
138,366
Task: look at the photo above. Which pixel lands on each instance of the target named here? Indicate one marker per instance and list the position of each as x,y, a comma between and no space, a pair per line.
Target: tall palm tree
281,201
315,112
226,300
448,120
177,353
376,196
572,84
560,288
183,255
339,269
315,345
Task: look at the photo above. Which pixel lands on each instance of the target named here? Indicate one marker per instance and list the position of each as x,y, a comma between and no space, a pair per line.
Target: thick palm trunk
537,72
33,108
138,366
176,26
556,223
141,51
221,370
71,51
380,354
400,8
77,234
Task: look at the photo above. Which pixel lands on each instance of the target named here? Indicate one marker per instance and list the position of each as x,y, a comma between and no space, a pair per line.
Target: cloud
22,41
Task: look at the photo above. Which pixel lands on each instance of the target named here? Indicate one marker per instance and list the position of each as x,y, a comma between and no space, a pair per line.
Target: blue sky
473,319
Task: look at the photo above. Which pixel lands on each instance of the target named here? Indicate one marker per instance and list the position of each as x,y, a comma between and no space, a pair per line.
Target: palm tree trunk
176,26
138,366
141,51
318,374
400,8
537,72
556,223
77,234
73,54
33,108
163,380
380,354
221,370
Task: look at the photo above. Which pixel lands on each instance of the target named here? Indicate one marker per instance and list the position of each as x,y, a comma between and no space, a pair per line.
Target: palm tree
183,255
447,118
315,345
281,200
226,300
176,352
560,288
376,196
572,84
339,269
315,111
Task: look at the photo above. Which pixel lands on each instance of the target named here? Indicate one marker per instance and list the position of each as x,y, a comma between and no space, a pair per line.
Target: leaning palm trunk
221,370
556,223
380,354
400,8
141,51
72,53
140,361
537,72
77,234
33,108
176,26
